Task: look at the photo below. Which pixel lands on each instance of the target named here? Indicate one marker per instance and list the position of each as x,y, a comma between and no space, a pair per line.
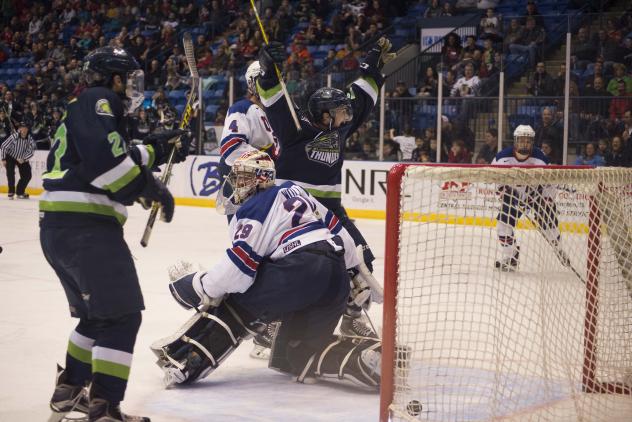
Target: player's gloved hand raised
271,54
163,143
378,55
186,287
156,191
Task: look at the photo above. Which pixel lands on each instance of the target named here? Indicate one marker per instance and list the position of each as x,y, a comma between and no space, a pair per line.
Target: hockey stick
278,72
186,120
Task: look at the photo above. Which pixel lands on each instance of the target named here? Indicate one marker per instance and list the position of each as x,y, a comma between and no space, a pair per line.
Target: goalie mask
523,141
251,172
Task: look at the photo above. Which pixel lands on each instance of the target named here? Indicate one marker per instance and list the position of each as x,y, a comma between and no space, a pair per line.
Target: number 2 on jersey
297,205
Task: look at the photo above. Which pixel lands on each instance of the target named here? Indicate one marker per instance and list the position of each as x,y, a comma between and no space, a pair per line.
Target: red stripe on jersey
333,222
229,144
292,231
245,258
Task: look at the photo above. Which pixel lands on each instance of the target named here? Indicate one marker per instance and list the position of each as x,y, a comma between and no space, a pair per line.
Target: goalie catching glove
187,289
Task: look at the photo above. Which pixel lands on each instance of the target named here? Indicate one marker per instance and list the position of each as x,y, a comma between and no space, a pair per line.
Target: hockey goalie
288,262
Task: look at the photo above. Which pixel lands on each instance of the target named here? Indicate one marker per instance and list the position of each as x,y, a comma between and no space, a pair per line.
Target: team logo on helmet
324,149
103,108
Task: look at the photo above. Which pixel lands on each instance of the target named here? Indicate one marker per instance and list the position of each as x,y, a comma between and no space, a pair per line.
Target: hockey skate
103,411
68,399
263,342
355,327
509,264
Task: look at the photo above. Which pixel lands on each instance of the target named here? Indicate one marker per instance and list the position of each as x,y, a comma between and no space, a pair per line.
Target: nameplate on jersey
292,245
324,149
103,108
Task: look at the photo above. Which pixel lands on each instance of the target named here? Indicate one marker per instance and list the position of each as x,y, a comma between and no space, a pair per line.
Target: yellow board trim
565,227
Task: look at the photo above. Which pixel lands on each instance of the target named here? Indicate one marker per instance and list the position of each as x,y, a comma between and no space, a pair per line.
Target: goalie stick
184,123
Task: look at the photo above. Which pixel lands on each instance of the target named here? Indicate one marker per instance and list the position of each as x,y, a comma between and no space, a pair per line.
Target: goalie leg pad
201,344
354,359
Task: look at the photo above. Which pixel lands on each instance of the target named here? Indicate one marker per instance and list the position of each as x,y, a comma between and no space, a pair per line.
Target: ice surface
35,324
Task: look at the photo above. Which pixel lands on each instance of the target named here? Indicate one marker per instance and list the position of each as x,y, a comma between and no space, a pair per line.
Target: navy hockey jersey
91,172
313,157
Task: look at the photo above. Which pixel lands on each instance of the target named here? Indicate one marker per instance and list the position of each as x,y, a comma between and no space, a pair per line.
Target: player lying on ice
516,200
288,262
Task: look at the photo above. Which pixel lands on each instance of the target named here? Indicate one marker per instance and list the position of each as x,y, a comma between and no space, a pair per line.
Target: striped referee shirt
17,147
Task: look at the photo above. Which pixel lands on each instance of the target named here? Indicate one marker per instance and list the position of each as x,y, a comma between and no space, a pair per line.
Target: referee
17,150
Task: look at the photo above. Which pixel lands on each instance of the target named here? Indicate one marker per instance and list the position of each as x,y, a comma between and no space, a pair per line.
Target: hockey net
466,341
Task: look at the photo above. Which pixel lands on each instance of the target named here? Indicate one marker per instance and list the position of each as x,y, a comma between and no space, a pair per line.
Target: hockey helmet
251,172
102,64
332,101
252,73
524,137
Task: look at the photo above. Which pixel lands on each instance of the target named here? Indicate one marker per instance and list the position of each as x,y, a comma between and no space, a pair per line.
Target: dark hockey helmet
102,64
329,100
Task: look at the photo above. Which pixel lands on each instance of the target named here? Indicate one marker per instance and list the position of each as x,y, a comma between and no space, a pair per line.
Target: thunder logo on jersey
324,148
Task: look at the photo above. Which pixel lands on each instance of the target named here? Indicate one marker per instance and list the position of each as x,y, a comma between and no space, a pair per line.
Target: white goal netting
546,337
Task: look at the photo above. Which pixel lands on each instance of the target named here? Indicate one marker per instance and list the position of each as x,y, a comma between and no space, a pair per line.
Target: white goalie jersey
272,224
246,128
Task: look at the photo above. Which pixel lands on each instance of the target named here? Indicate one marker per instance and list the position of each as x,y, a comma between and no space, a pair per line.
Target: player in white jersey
246,128
517,200
287,262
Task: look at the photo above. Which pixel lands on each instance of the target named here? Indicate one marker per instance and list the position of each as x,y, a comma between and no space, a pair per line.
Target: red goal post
604,207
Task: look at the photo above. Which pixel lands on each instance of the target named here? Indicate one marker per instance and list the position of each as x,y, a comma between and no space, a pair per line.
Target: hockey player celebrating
518,199
312,157
287,262
92,173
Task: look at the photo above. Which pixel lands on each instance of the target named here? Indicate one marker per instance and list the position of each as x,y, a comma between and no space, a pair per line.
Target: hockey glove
155,190
378,55
271,54
164,142
186,287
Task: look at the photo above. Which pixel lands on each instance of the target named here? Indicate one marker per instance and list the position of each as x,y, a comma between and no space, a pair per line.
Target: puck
414,407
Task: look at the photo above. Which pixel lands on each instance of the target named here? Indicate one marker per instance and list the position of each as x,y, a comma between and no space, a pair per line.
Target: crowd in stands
42,45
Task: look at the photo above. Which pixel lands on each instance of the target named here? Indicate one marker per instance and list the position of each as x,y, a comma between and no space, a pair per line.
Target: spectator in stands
39,126
626,132
616,157
368,151
559,83
489,149
530,42
406,142
434,10
621,103
619,75
5,125
391,151
533,12
583,50
540,83
603,147
429,84
451,51
590,157
513,34
547,150
468,85
550,132
608,49
490,26
459,153
448,81
592,72
142,125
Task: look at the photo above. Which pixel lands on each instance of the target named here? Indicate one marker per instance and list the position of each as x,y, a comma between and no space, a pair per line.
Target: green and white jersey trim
80,347
147,155
318,191
82,202
369,86
118,177
111,362
270,96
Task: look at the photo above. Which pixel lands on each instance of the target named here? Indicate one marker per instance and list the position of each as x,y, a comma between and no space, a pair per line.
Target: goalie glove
186,288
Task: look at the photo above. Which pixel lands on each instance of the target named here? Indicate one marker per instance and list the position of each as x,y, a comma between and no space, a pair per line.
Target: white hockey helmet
524,137
251,172
252,73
